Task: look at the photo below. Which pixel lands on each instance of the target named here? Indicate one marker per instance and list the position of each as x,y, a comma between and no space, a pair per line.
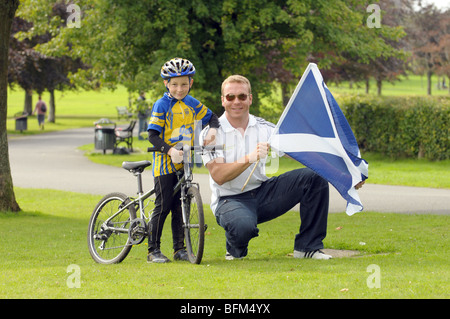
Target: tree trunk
7,198
28,105
285,93
52,107
429,74
379,85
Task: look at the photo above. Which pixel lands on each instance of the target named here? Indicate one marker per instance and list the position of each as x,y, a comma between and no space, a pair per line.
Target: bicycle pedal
100,237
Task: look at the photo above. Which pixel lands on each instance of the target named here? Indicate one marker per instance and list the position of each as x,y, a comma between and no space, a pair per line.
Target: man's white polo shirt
236,146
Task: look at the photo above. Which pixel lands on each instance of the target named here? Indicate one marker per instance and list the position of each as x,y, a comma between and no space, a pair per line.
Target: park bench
125,135
122,111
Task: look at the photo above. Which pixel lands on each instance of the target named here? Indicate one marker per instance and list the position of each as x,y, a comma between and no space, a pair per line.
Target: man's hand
210,137
261,151
175,155
359,185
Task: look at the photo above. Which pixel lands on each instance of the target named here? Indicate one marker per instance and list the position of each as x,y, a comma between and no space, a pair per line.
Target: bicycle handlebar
153,149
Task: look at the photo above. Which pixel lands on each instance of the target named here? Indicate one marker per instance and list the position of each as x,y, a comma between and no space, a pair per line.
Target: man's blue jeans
240,214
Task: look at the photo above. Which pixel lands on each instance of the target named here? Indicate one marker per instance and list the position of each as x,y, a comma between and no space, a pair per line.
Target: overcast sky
441,4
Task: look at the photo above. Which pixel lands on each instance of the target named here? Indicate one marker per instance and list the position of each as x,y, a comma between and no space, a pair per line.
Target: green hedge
400,126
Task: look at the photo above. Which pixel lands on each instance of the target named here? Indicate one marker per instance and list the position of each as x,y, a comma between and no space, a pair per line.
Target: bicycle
114,227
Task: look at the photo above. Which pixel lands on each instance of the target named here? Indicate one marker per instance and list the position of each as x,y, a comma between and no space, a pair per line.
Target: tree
426,32
22,62
390,67
385,66
443,60
33,70
127,41
7,198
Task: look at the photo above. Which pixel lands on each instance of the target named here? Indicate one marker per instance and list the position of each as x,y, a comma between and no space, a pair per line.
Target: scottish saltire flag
314,131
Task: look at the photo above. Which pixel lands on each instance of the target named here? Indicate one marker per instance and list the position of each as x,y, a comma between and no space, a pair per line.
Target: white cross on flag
314,131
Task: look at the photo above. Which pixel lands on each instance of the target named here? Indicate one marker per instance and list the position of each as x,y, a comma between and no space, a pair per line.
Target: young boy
172,120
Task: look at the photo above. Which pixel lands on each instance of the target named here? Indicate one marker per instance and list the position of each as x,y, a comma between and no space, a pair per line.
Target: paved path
51,160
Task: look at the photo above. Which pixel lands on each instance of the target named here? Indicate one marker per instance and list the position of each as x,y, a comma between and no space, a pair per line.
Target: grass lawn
412,85
94,103
39,244
73,109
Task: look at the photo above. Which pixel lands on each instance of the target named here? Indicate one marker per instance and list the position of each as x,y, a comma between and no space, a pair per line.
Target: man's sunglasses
241,97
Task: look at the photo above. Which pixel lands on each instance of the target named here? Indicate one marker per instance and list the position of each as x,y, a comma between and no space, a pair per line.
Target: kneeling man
245,138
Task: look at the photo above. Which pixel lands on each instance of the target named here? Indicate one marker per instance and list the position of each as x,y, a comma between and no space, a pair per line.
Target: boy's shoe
181,255
313,254
157,257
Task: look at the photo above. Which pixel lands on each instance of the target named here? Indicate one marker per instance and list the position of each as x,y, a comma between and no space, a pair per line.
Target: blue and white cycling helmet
177,67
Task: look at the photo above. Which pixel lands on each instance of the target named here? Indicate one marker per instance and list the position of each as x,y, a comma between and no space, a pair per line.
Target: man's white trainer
314,254
229,256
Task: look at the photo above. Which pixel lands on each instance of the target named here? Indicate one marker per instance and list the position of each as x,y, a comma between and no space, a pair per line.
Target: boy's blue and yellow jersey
175,120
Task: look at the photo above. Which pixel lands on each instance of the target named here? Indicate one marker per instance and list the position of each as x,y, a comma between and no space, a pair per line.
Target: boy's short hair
236,78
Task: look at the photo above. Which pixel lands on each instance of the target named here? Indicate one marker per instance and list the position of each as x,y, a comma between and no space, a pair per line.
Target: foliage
429,37
127,41
33,70
400,126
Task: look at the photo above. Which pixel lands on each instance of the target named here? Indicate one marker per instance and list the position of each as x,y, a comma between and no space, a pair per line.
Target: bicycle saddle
136,166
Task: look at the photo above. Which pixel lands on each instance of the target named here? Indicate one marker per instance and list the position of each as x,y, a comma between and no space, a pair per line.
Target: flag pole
251,173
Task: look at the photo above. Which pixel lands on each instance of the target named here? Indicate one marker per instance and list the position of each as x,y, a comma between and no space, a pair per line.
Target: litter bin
21,121
105,137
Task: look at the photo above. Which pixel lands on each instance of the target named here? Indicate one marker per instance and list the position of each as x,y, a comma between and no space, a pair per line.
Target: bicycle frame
183,183
143,196
129,216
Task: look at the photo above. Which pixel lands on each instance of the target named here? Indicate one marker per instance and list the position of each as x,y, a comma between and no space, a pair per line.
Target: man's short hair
236,78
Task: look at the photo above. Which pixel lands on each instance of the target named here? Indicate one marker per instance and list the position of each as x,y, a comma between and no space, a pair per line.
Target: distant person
41,109
143,113
172,121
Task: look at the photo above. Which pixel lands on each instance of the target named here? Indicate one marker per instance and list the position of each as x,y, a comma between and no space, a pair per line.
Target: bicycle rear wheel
108,242
194,230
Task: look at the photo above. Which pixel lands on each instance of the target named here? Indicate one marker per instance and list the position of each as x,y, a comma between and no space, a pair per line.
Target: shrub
400,126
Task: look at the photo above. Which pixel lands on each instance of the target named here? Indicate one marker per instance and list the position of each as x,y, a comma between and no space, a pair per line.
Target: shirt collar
226,126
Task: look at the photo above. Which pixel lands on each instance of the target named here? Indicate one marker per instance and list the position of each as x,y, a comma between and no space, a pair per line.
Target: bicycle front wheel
108,239
194,229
